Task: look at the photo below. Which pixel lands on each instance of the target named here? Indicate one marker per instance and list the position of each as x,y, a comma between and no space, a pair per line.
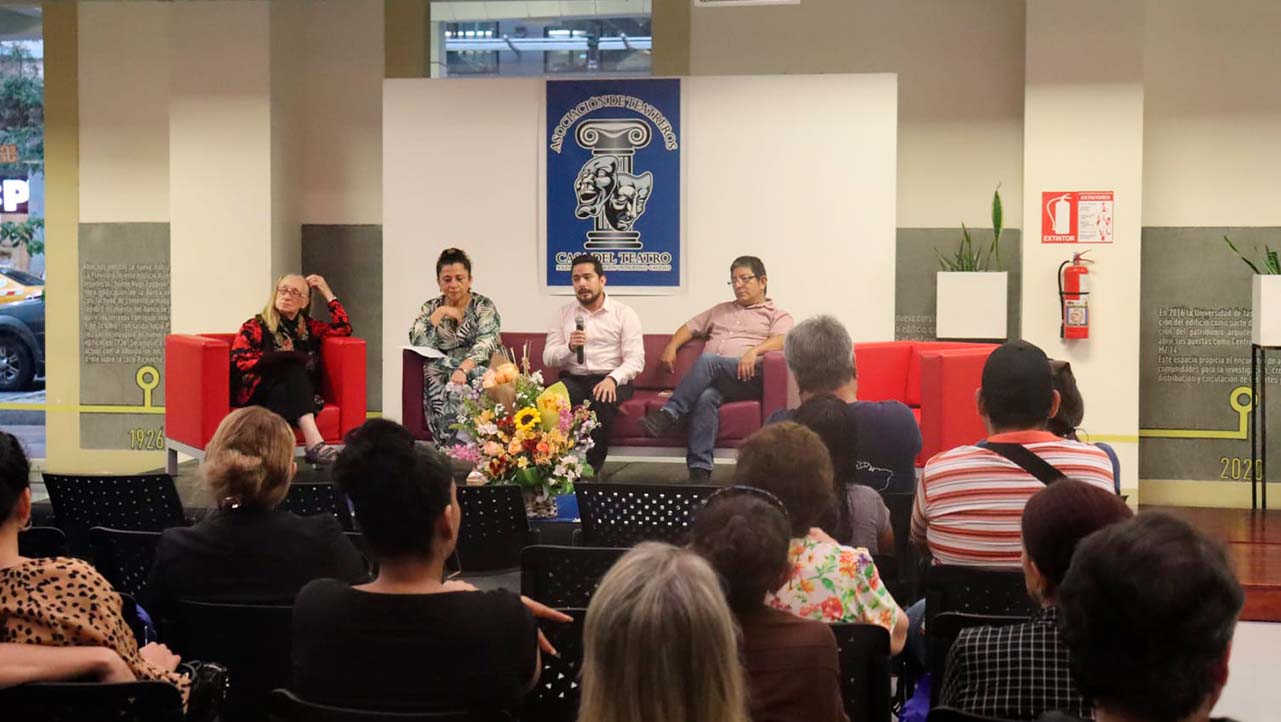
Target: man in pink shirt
737,333
598,344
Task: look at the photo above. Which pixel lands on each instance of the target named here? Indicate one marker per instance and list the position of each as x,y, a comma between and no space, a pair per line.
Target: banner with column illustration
613,181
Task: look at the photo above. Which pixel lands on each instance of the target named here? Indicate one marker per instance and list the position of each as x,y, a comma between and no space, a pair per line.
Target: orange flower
832,609
806,585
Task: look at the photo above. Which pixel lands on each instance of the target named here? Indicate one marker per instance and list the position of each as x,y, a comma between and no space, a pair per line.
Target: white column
1083,130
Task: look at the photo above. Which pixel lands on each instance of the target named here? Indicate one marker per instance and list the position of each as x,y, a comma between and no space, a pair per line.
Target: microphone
580,323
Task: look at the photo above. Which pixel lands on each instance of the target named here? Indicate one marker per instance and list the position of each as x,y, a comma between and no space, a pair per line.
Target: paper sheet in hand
425,351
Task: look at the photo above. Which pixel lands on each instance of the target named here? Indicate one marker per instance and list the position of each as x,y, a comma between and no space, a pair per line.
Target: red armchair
738,419
198,390
936,379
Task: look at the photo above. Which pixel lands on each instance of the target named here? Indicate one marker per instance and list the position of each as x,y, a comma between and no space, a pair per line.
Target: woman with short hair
276,357
792,668
829,581
659,643
246,550
464,326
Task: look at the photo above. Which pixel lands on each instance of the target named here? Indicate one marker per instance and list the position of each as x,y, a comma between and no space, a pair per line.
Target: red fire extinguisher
1074,292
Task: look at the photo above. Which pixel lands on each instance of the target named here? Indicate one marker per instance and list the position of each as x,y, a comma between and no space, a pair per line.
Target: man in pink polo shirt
737,333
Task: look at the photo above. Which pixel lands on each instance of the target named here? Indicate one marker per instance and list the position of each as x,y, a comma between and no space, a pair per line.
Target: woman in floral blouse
462,325
276,357
829,581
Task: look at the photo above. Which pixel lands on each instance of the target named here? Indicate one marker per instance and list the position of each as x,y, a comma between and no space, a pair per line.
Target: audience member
63,602
737,333
407,640
246,550
859,518
659,643
464,326
598,343
1148,609
828,581
22,663
1067,421
969,500
276,357
820,356
1020,671
793,673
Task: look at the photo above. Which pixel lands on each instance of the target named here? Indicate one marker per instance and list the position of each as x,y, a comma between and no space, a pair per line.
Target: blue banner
614,180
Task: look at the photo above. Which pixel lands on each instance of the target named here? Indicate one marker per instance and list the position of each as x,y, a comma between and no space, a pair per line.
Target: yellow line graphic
1243,422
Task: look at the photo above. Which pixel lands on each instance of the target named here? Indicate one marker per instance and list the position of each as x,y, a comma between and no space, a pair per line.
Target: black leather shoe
700,476
657,423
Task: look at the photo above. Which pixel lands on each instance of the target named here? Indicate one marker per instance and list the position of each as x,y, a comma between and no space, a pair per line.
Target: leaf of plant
1274,264
998,221
1248,262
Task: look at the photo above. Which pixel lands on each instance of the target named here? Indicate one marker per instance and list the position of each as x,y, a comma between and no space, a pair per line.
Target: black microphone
580,323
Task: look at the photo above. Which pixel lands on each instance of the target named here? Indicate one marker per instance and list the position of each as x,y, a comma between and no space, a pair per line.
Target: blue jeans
711,382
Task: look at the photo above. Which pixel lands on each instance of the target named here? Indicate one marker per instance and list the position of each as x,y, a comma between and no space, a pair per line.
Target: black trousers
580,390
286,389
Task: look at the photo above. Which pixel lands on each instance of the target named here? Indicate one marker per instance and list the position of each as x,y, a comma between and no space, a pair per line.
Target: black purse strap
1043,470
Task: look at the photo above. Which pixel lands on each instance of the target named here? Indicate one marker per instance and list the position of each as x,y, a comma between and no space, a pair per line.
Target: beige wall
960,66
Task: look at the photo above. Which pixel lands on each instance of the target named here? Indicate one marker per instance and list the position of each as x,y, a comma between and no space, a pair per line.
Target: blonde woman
277,357
246,550
659,643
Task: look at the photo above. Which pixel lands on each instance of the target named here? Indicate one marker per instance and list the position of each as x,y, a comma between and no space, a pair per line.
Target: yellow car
18,285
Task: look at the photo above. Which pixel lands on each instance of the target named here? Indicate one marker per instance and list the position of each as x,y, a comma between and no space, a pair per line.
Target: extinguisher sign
1076,216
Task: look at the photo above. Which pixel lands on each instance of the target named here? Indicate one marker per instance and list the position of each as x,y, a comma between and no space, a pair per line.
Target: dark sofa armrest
774,380
411,395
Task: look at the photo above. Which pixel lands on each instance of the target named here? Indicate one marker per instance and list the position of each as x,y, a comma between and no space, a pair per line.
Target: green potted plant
970,299
1265,296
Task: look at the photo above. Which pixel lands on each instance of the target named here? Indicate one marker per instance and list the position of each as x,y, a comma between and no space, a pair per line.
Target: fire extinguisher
1074,291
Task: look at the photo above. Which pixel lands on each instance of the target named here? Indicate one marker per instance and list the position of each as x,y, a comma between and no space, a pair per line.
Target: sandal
320,454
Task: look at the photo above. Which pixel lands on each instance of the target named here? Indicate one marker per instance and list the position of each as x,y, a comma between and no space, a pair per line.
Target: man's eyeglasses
740,280
290,292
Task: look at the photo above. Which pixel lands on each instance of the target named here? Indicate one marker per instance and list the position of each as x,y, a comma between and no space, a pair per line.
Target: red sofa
936,379
738,418
198,390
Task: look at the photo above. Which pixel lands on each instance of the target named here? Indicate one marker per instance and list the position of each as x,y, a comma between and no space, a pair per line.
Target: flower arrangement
516,431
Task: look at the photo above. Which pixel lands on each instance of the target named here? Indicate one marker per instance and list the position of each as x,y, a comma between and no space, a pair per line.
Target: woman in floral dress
829,581
462,325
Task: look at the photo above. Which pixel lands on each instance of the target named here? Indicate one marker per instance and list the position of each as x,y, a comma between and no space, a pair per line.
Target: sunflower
527,418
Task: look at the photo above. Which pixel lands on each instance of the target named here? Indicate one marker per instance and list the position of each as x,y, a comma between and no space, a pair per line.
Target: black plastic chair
321,498
942,632
864,653
93,702
950,714
125,558
135,503
42,542
253,641
623,515
904,585
494,528
560,576
288,707
555,697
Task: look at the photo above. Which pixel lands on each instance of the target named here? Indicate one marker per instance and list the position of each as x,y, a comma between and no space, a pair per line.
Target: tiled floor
1252,694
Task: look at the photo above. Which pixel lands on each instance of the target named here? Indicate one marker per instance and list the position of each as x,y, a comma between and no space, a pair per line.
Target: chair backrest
561,576
253,641
137,503
976,590
494,527
622,515
288,707
904,585
951,714
555,697
123,557
318,498
93,702
864,653
42,542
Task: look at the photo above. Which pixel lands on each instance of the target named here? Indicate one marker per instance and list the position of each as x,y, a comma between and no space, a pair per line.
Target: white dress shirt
615,345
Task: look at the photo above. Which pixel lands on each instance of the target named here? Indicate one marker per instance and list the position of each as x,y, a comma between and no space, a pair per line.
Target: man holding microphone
598,345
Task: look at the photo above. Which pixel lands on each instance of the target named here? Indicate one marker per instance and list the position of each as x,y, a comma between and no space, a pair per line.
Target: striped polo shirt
969,503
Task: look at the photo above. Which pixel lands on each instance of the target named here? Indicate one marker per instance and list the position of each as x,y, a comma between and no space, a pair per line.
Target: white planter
971,305
1265,326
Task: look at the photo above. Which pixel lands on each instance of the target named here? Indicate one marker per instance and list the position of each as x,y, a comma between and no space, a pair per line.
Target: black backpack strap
1043,470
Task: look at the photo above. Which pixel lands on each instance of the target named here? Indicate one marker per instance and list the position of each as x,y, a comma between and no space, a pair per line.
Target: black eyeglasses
740,280
726,492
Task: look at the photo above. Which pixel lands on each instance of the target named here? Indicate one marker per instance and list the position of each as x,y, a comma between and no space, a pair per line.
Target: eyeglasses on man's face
741,280
289,292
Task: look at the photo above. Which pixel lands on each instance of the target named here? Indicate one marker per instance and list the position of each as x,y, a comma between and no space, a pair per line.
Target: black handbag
209,684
